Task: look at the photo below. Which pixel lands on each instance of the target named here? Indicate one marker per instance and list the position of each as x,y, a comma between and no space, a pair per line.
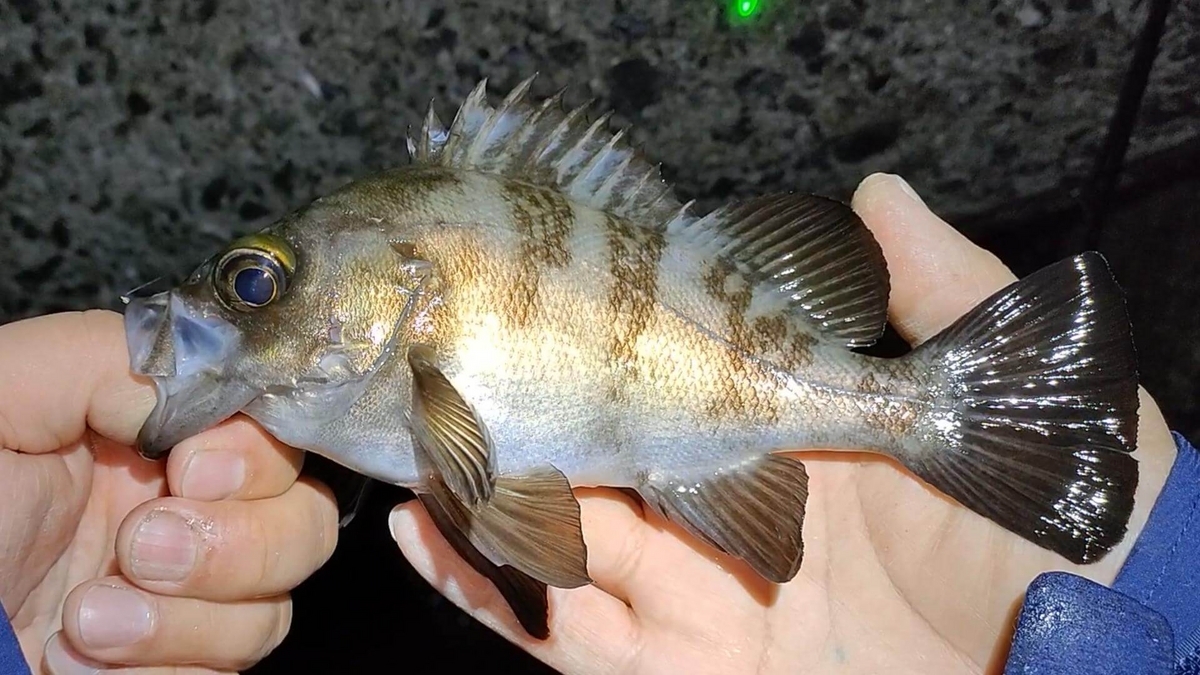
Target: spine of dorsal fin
545,144
806,255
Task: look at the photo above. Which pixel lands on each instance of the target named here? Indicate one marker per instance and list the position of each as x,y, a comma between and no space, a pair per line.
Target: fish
526,307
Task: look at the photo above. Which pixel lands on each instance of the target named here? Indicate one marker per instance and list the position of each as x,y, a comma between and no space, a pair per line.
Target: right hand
896,576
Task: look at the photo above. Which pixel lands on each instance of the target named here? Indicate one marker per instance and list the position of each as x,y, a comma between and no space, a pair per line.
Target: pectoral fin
451,433
525,595
754,511
529,521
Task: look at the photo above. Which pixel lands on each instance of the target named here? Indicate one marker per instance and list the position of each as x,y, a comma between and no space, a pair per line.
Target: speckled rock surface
135,137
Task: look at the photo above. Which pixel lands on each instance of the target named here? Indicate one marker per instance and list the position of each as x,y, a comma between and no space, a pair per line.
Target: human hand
183,566
896,576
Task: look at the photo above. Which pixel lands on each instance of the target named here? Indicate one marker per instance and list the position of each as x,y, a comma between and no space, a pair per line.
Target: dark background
136,137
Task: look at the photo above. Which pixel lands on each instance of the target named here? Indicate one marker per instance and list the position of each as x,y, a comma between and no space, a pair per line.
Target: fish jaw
186,353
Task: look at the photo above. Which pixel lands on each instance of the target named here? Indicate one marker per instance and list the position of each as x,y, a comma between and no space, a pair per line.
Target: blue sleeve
1148,622
12,661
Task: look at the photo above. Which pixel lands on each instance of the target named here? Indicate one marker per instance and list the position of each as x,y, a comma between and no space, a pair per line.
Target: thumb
937,274
63,373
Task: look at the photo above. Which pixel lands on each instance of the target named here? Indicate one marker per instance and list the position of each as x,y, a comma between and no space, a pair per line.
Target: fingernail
163,548
58,658
212,475
110,616
908,190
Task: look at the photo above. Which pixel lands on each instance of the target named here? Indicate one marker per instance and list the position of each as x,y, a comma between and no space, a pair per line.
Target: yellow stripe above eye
270,244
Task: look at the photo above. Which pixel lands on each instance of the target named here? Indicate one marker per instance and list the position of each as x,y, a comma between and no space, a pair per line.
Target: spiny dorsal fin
548,145
805,253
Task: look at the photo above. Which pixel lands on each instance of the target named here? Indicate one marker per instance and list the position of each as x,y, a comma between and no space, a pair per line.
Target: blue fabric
1069,624
1161,571
1149,621
12,661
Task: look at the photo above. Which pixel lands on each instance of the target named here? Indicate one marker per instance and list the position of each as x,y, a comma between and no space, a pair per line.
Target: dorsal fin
548,145
802,253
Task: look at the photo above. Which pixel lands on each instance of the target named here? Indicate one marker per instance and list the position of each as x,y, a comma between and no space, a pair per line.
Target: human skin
94,539
896,577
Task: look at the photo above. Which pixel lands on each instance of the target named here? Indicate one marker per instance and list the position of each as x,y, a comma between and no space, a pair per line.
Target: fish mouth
186,352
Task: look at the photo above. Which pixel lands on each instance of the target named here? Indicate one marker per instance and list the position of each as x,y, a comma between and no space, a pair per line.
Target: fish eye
255,286
253,274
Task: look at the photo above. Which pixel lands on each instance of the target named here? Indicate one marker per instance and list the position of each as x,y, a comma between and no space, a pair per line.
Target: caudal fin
1036,407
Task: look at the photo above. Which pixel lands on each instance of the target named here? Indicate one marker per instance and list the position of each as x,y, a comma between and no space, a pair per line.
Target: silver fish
526,307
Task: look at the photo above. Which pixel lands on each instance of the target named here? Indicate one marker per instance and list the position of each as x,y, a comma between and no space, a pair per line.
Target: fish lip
186,353
186,406
149,439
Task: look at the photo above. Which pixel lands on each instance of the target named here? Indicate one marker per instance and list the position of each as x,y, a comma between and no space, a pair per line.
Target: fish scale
527,308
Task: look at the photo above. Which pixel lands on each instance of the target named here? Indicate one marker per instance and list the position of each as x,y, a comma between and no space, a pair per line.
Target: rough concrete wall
135,137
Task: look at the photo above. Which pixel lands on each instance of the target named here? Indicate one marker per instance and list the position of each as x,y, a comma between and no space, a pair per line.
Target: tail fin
1036,410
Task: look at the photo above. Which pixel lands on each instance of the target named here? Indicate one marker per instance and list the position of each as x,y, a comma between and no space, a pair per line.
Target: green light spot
744,12
746,8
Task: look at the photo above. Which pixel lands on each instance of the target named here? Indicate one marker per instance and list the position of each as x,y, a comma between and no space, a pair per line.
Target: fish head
286,324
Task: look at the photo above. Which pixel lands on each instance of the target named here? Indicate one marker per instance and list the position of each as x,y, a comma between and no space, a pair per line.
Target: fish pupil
254,286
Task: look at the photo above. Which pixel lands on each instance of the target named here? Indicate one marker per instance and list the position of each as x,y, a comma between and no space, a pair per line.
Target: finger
590,631
617,537
63,372
653,565
60,658
236,459
110,621
229,550
937,274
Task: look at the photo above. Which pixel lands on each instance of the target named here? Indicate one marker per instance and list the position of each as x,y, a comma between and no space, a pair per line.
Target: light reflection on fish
526,308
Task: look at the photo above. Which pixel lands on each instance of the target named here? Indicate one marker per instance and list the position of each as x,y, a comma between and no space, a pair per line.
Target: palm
896,577
74,540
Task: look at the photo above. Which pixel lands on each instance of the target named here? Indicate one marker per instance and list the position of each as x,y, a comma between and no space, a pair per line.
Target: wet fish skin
526,308
603,411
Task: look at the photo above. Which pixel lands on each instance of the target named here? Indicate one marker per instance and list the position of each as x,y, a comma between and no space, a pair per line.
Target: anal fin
753,511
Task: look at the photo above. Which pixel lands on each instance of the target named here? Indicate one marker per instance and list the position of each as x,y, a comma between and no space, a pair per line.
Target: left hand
108,560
